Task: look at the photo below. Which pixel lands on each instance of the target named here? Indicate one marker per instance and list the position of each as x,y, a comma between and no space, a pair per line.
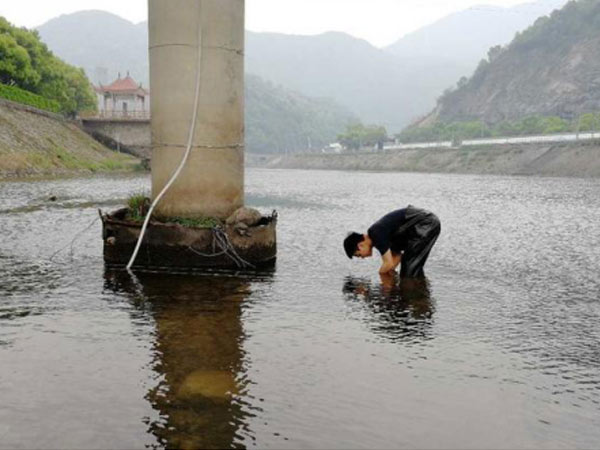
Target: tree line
527,126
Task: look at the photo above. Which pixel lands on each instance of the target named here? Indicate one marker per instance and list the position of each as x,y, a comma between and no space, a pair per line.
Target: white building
335,147
124,97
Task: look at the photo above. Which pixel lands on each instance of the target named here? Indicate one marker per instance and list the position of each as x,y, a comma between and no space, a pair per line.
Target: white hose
184,159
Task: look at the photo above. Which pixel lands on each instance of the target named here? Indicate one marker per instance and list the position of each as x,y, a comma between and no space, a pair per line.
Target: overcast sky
380,22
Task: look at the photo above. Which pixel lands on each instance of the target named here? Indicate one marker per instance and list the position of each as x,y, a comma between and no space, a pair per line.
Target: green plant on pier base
139,204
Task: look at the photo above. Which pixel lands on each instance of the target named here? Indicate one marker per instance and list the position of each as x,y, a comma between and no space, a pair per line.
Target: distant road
499,141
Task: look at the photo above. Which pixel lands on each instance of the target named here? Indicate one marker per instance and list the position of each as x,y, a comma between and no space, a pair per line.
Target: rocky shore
561,160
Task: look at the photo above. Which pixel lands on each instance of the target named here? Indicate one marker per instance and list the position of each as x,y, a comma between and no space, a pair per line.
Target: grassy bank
35,144
56,161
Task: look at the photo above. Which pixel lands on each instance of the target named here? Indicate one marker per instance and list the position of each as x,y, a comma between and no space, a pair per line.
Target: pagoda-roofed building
124,97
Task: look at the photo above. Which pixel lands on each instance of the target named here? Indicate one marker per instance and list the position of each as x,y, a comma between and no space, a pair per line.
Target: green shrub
18,95
138,204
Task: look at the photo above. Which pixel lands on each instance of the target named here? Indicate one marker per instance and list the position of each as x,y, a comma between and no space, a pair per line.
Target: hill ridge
549,69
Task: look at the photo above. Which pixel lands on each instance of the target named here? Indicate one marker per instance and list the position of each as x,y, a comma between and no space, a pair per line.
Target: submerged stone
216,385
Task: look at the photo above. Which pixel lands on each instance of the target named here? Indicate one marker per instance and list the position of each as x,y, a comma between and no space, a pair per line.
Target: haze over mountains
395,85
469,34
369,81
389,86
102,43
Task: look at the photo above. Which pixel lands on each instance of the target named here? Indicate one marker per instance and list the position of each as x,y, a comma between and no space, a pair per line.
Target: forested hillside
279,120
26,64
551,69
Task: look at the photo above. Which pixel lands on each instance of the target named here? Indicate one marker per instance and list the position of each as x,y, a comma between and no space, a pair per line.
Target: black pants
422,234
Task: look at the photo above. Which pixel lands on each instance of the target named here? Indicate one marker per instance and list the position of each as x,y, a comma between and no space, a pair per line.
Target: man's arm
389,262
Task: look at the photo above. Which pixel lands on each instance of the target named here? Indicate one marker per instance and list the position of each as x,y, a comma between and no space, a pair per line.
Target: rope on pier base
221,240
183,160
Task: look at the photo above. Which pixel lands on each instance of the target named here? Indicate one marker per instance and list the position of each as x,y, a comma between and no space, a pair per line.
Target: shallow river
500,349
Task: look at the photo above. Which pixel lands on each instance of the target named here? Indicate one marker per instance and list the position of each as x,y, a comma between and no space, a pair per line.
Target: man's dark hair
351,243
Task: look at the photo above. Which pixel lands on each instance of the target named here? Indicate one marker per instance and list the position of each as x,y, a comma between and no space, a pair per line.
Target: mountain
389,86
394,85
550,69
364,79
369,81
106,44
464,37
278,119
439,54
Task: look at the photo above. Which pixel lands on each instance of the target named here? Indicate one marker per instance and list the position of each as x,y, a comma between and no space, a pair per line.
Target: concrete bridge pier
182,34
212,183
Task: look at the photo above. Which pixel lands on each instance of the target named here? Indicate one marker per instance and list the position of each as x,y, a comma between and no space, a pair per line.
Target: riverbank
39,143
560,160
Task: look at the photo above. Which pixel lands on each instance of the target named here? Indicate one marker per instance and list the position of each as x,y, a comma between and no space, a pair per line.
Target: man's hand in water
388,280
389,262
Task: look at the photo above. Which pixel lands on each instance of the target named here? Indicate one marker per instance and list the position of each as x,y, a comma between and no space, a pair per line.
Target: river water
499,349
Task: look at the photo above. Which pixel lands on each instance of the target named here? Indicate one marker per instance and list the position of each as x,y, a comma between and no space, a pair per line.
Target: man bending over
404,237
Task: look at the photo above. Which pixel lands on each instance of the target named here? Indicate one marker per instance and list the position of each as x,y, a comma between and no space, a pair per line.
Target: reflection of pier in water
401,312
198,356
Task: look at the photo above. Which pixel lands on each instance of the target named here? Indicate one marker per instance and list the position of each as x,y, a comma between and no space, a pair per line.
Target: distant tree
555,124
526,126
588,122
481,68
446,95
359,135
494,53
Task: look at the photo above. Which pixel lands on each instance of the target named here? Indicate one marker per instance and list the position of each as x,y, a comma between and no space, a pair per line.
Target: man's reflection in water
397,309
198,355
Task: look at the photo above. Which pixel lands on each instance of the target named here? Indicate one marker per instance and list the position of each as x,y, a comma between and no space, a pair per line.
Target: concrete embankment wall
132,137
34,142
563,160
